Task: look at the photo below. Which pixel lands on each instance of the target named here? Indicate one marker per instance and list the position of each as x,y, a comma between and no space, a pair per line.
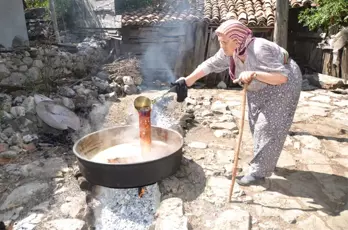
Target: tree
327,13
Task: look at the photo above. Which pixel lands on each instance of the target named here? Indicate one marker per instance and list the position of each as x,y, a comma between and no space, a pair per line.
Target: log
281,23
344,65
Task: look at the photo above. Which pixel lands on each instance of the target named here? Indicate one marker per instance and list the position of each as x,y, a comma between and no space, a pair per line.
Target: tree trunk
281,23
54,20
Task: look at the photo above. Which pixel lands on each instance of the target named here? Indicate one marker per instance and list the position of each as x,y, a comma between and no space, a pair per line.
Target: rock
309,142
137,80
65,224
69,103
130,89
198,145
207,113
33,74
27,60
66,92
5,102
23,194
312,222
221,85
313,157
8,154
128,80
19,42
29,138
223,133
102,85
38,64
306,86
170,215
30,222
8,132
12,214
23,68
5,117
324,81
29,104
219,107
321,98
224,125
16,139
15,79
18,111
43,169
3,147
74,205
18,100
4,72
103,75
39,98
235,218
226,118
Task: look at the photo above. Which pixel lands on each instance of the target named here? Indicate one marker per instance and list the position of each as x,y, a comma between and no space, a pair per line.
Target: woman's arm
217,63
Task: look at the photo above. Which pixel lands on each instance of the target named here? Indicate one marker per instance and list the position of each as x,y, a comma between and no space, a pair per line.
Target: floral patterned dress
271,108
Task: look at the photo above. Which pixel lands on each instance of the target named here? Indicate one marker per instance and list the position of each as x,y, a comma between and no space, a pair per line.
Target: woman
274,86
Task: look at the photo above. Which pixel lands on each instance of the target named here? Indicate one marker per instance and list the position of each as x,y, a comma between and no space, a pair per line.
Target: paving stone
224,125
313,157
198,145
29,222
309,142
321,98
65,224
339,222
23,194
44,168
219,107
312,222
235,218
223,133
286,160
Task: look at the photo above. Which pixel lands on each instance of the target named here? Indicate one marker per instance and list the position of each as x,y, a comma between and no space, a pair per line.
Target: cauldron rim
180,146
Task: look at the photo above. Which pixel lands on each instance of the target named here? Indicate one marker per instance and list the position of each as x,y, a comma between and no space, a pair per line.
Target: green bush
327,13
36,3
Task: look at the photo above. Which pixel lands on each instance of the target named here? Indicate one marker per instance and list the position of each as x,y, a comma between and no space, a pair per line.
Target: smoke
169,42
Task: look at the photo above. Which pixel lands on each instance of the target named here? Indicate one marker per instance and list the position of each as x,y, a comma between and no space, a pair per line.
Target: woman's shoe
249,180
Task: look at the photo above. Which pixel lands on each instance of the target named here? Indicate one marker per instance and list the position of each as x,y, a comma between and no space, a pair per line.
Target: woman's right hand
188,80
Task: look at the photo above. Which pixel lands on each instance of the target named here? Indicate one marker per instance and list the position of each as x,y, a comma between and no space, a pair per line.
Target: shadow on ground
325,192
188,183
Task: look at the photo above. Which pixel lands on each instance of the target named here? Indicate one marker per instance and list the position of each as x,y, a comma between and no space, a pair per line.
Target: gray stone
103,75
15,79
5,102
221,85
74,205
9,154
11,214
65,224
224,125
130,89
235,218
309,142
207,113
27,60
29,138
29,104
219,107
22,194
8,131
223,133
128,80
170,215
102,85
38,64
16,139
69,103
48,168
18,111
33,74
66,92
4,72
137,80
19,42
23,68
30,222
312,222
190,101
198,145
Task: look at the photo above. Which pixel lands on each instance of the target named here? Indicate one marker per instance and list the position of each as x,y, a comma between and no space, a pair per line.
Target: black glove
180,89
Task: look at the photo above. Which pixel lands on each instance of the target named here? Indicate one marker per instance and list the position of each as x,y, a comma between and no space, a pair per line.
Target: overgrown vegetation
327,13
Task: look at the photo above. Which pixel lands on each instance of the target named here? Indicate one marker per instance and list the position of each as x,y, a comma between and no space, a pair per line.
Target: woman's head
233,36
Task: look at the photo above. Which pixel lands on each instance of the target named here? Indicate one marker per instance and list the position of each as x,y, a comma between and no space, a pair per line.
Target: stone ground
309,190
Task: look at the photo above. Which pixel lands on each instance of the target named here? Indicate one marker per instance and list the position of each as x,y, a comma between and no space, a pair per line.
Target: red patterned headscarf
243,35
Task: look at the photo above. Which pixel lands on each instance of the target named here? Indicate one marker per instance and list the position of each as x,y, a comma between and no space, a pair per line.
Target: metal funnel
142,102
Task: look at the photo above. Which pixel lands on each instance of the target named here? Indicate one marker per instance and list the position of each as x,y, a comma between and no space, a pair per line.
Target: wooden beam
280,35
54,20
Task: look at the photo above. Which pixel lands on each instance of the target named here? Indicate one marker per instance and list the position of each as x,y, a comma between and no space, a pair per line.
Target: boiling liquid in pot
132,153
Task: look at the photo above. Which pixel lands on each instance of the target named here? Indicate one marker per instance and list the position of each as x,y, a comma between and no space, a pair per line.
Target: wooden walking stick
236,152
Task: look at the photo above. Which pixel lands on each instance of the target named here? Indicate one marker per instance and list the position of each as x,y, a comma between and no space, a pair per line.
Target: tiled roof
254,13
171,11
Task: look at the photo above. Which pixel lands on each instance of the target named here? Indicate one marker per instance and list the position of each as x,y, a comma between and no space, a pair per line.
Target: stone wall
34,65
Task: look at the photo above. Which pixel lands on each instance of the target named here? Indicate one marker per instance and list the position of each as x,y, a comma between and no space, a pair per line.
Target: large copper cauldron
127,175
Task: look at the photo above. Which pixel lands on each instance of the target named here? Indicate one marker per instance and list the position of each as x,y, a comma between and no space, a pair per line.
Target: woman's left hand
245,77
